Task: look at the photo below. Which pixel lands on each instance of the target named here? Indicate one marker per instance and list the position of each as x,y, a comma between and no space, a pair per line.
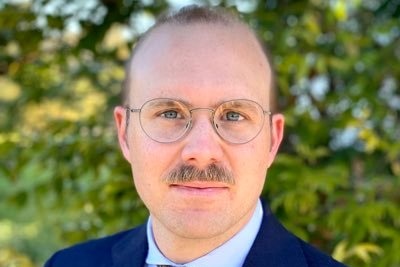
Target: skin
203,65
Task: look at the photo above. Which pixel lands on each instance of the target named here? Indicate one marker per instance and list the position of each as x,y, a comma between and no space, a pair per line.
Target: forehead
223,61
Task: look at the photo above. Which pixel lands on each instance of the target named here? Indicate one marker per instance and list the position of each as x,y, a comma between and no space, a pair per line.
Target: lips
199,188
201,185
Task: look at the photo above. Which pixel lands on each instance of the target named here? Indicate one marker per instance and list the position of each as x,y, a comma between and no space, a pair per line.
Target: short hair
199,14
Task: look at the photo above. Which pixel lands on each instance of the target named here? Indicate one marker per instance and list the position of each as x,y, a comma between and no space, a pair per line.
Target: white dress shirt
232,253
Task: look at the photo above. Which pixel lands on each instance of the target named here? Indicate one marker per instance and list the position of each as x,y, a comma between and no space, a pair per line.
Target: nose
202,144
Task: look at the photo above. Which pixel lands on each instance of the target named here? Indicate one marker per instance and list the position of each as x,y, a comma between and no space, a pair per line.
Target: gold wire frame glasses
167,120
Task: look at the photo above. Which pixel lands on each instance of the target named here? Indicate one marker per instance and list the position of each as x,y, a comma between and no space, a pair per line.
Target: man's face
202,65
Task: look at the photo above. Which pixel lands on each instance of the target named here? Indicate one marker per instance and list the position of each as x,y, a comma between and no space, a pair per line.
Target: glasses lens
164,120
239,121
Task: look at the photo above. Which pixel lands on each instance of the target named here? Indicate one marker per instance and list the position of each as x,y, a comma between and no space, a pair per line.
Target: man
197,129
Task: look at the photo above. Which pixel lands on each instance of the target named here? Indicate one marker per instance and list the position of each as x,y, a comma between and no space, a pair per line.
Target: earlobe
121,124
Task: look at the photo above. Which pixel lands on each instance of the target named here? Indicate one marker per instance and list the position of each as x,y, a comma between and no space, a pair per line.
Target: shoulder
96,252
275,246
316,258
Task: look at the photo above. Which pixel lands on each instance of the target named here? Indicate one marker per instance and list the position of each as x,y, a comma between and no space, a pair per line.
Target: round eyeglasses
167,120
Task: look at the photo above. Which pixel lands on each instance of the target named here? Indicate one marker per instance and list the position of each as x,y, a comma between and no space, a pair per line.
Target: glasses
167,120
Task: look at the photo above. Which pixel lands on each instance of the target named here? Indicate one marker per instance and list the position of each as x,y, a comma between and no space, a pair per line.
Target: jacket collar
131,251
274,245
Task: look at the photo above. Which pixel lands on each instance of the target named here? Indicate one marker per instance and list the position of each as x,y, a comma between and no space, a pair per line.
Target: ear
277,126
120,117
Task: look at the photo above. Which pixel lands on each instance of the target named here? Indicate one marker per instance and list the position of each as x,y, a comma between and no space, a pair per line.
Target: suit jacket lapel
131,251
274,246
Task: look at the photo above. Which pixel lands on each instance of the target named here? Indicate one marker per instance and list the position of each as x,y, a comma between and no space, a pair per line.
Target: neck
182,249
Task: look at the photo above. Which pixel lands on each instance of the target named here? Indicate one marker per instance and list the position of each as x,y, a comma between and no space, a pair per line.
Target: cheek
149,162
259,152
143,160
252,169
251,163
140,147
146,173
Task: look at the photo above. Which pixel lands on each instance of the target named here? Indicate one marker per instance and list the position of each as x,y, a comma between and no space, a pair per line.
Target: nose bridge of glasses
196,109
210,116
202,133
210,110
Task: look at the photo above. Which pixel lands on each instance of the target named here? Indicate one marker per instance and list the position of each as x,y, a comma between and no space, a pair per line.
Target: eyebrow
167,102
218,103
190,105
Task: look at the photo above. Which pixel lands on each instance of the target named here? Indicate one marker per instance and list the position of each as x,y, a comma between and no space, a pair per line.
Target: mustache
190,173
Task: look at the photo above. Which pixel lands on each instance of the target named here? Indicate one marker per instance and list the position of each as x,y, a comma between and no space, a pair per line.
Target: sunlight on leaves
362,251
12,258
9,90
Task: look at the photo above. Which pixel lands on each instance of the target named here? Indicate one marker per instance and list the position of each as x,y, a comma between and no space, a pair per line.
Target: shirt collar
231,253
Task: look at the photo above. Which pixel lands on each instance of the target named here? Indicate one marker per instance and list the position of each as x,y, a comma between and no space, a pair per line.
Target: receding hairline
192,15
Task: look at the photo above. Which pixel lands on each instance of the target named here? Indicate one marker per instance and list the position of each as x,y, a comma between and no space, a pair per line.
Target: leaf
362,251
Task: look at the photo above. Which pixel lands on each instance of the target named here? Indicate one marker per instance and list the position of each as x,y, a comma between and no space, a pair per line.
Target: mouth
199,188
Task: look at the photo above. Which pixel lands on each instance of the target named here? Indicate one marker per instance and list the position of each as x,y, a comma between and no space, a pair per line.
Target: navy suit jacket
274,246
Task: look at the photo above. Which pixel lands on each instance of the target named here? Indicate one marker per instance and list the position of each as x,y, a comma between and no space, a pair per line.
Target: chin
198,224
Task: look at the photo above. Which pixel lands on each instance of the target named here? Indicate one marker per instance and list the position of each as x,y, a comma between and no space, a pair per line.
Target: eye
171,114
233,116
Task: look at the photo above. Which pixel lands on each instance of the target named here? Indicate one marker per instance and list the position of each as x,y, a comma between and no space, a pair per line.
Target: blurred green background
335,182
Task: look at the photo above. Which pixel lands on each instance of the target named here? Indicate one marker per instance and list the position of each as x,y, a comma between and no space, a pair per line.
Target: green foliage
334,183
